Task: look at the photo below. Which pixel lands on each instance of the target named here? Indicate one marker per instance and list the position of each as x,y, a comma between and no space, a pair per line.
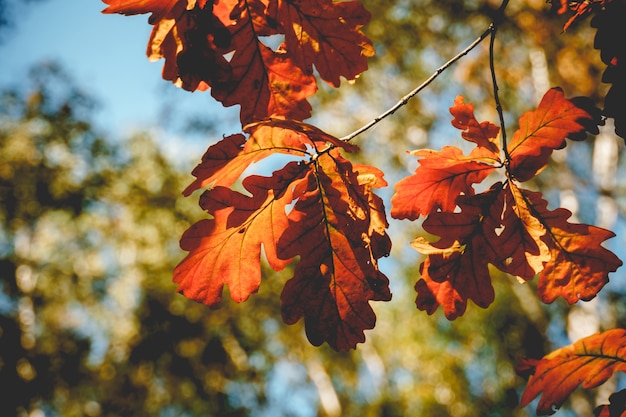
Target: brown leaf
456,269
326,34
338,229
579,266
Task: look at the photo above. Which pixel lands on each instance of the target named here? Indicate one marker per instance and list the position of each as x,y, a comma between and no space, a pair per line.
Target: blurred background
95,150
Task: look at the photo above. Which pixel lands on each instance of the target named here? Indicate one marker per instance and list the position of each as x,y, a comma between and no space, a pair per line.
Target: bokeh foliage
90,323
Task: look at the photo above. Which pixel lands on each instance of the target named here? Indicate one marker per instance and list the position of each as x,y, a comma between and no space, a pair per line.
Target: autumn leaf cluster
506,226
321,210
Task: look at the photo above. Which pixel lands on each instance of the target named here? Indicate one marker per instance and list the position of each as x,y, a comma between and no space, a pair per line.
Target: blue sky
106,55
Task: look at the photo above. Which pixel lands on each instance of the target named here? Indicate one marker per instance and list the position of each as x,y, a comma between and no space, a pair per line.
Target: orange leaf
224,162
542,131
589,361
579,266
195,36
442,176
338,229
482,134
531,232
326,34
227,248
158,8
436,183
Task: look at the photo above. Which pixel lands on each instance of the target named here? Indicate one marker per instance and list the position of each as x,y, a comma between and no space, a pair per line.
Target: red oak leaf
326,34
589,361
338,229
158,8
493,227
438,180
442,176
514,235
224,162
449,281
482,134
579,266
456,269
226,250
195,36
542,131
263,81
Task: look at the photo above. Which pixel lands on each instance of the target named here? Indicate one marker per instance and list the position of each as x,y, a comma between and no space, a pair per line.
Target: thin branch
413,93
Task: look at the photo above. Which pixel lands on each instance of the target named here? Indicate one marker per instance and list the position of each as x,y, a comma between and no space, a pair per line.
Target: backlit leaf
325,34
579,266
224,162
319,208
589,361
227,248
338,229
542,131
436,183
263,81
482,134
456,269
158,8
442,176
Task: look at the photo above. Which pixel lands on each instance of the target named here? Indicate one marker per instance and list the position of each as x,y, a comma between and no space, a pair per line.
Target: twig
494,29
413,93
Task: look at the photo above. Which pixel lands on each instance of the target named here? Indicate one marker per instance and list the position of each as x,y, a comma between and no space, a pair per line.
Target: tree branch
494,29
413,93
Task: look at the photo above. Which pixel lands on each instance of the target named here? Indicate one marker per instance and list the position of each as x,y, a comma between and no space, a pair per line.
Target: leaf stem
494,29
419,88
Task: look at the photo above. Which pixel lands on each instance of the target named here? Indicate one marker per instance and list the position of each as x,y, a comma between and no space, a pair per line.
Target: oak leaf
158,8
319,207
337,228
325,34
227,248
578,267
195,37
456,269
437,181
589,361
265,82
542,131
442,176
188,35
483,134
488,228
224,162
